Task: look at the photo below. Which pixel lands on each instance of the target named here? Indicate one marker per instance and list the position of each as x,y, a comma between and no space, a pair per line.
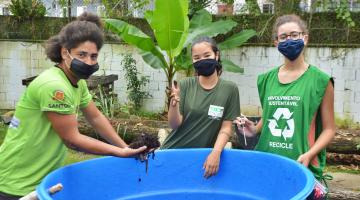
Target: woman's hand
129,152
211,165
244,124
305,159
175,94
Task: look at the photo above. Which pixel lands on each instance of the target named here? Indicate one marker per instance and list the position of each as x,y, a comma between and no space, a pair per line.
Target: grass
140,114
148,115
342,168
346,123
76,156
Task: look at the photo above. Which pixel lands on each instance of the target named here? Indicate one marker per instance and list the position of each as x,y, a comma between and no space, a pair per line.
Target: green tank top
288,113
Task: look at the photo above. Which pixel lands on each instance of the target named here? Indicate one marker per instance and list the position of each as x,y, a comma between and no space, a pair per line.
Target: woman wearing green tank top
297,100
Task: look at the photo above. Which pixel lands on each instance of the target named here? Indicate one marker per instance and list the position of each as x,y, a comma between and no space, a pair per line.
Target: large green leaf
201,18
183,61
237,39
154,60
170,24
231,67
211,30
130,34
134,36
148,16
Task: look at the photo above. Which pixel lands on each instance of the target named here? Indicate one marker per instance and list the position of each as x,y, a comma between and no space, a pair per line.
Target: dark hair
87,27
287,19
214,47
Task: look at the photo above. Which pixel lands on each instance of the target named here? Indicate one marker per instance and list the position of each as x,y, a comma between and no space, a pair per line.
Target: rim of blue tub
305,192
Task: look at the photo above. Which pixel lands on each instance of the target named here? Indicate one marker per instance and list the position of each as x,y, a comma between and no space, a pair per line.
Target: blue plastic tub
178,174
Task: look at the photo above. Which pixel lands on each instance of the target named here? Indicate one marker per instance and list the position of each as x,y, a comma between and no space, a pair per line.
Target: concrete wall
19,60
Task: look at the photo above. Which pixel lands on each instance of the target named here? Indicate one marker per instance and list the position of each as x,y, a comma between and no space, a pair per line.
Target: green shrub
135,83
346,123
106,102
27,9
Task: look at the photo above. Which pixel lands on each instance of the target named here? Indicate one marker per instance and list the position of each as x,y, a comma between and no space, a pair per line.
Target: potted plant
225,7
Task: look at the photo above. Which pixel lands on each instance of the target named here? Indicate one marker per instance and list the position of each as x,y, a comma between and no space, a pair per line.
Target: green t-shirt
203,112
32,148
288,113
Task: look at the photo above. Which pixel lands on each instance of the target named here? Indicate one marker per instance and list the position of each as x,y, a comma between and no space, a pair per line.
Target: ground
345,181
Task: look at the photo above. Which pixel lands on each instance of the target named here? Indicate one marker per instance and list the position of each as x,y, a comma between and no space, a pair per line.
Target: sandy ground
345,181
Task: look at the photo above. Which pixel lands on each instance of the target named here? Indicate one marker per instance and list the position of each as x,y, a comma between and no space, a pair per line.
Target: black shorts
4,196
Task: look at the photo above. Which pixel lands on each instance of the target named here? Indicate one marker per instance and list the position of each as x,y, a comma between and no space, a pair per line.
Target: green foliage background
325,28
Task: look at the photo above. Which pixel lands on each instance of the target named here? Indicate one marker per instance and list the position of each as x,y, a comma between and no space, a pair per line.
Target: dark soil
149,140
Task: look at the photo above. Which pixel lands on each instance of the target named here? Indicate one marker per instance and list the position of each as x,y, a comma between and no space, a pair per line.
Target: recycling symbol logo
285,114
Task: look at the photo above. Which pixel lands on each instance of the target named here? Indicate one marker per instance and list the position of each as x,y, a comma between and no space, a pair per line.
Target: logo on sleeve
14,123
59,95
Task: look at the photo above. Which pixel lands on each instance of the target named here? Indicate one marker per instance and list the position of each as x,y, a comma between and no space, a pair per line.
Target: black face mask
81,69
206,67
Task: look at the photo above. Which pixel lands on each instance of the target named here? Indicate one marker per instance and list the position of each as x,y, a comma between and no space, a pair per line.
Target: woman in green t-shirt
203,107
297,101
46,115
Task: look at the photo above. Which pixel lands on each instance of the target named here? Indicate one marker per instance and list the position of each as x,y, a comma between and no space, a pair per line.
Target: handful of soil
145,139
148,140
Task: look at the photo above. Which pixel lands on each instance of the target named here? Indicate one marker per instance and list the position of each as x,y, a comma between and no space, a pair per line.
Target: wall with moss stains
19,60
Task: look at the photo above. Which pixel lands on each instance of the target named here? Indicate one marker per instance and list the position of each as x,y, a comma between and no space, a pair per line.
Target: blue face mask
291,49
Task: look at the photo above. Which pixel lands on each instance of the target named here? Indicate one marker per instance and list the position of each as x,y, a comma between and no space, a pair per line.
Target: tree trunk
336,194
342,159
69,10
127,129
345,142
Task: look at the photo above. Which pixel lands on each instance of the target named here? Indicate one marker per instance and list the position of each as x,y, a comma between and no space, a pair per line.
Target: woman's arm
66,127
328,124
174,116
212,162
102,125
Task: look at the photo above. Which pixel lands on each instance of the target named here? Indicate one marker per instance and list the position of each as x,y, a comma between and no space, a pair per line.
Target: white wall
19,60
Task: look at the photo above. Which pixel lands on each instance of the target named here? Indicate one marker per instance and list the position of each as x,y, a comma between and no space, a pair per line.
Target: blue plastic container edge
44,195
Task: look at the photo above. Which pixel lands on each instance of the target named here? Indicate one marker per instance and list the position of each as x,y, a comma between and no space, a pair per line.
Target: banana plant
173,34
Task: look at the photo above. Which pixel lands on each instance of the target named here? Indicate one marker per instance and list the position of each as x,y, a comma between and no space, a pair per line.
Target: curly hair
87,27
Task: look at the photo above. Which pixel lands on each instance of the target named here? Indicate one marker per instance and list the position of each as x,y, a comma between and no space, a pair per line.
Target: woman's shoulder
50,78
227,82
317,71
188,81
270,72
50,75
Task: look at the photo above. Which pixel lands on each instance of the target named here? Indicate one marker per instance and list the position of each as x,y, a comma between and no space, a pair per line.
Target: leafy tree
286,6
253,7
197,5
27,9
119,8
